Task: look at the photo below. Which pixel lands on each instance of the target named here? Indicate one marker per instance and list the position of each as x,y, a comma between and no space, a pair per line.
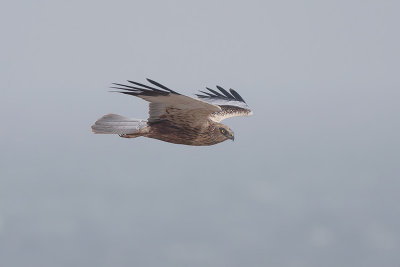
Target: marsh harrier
176,118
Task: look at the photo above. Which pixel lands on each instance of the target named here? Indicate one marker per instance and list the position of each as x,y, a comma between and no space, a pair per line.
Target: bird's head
226,132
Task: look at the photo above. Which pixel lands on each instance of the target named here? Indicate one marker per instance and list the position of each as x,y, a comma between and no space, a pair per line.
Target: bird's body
176,118
183,133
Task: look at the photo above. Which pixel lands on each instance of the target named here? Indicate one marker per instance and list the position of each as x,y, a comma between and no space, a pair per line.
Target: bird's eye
223,131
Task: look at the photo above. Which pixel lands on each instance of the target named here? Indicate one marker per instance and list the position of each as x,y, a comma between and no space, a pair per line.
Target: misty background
312,178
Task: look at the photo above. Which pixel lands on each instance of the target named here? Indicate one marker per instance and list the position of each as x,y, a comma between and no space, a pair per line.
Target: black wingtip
142,85
142,89
231,95
201,96
236,95
124,86
214,92
161,86
210,95
228,95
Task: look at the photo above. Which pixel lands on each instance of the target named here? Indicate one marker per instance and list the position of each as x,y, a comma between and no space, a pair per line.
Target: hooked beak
232,137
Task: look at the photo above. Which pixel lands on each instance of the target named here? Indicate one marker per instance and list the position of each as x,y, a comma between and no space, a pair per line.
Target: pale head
223,132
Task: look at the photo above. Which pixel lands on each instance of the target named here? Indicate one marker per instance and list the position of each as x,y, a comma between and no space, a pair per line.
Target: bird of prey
176,118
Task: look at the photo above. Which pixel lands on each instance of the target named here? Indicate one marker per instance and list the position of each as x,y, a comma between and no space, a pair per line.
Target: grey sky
312,178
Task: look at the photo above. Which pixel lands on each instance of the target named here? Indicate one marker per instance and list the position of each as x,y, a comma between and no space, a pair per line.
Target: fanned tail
116,124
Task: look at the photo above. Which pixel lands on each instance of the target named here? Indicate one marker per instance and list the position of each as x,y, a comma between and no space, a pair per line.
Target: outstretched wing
166,104
231,103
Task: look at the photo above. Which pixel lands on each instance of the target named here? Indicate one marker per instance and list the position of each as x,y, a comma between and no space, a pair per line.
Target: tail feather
116,124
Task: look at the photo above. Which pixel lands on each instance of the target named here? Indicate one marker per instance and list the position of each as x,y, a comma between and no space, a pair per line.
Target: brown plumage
176,118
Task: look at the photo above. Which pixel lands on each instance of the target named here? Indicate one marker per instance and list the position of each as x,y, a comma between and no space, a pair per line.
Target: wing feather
166,104
161,86
224,92
214,92
236,95
231,103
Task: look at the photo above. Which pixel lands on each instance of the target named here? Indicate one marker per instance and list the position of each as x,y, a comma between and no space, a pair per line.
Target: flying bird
176,118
